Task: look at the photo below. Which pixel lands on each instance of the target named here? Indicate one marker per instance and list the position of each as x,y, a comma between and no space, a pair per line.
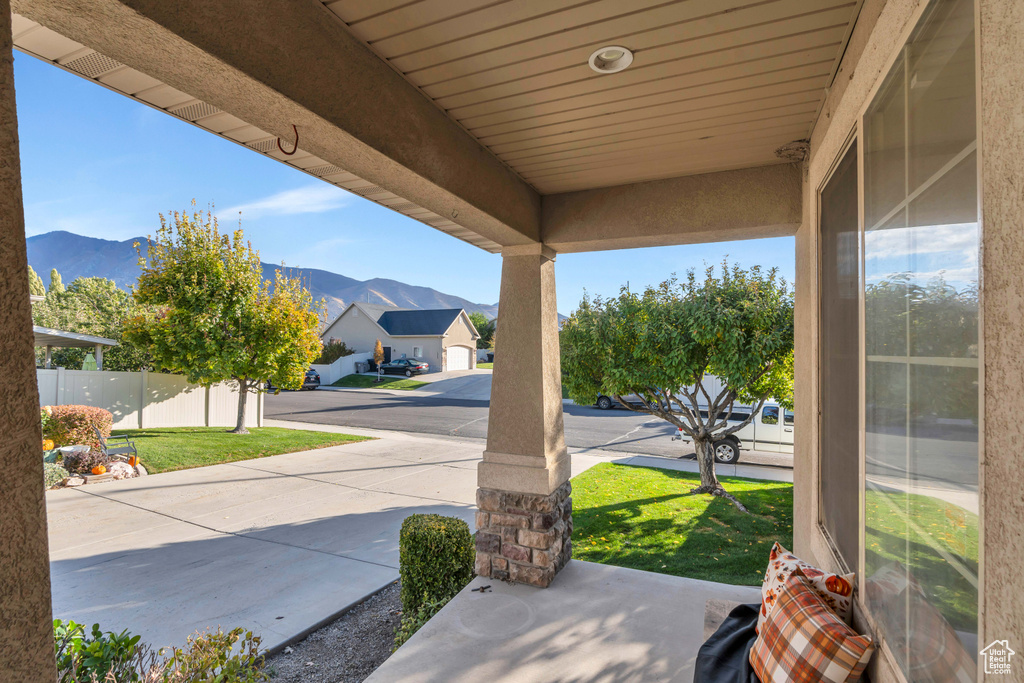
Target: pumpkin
133,461
99,469
47,444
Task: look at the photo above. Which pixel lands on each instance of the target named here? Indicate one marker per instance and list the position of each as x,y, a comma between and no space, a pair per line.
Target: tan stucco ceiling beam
749,203
273,65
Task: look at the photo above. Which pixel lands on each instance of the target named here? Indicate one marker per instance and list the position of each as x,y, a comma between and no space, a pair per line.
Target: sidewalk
583,458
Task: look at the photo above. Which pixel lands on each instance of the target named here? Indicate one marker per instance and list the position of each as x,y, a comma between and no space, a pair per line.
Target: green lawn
485,366
645,518
370,382
180,448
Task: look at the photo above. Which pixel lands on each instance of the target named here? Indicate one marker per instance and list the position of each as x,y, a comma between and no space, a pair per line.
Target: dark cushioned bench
725,655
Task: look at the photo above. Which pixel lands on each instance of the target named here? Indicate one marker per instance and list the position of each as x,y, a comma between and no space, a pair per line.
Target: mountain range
77,256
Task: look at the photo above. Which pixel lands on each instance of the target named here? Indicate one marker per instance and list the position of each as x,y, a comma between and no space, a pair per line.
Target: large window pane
840,356
921,246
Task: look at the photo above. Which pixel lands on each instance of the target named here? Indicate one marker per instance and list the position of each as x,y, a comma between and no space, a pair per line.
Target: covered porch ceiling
483,119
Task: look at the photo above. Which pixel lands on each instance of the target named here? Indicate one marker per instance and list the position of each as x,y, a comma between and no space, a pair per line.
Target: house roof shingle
420,323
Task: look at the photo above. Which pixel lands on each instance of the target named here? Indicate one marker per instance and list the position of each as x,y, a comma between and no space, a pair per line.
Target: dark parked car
405,366
310,381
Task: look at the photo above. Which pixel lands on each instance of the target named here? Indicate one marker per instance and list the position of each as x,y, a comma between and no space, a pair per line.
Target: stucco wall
26,635
355,329
461,334
1001,122
405,345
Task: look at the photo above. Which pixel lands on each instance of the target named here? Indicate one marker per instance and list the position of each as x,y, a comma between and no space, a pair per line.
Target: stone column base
523,537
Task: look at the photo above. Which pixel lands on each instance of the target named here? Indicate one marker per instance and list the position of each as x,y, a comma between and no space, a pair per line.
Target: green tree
95,306
660,345
35,283
56,284
485,327
213,318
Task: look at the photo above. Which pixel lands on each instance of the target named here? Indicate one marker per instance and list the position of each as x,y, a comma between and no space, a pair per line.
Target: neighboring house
445,338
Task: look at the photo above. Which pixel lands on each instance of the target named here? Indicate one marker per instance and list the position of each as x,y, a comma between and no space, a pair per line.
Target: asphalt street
585,427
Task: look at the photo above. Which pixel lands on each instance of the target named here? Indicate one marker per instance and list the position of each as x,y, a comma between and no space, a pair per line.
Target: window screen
840,359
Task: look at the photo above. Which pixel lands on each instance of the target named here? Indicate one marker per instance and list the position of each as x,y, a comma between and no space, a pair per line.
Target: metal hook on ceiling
295,148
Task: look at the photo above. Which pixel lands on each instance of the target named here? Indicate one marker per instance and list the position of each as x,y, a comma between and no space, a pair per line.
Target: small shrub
73,425
332,351
436,556
54,474
412,622
82,463
208,657
121,658
104,656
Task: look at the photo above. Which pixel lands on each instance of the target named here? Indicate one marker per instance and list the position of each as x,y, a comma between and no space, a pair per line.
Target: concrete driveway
467,385
278,545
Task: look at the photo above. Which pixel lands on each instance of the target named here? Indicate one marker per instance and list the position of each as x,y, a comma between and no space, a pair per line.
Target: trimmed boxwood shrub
436,555
72,425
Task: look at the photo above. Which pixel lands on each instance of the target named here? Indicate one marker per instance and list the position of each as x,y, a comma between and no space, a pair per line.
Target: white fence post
144,383
60,386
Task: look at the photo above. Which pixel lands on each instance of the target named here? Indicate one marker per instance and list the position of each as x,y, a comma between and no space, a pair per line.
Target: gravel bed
347,650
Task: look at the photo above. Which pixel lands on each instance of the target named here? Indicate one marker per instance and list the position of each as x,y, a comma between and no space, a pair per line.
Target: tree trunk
706,464
708,480
243,394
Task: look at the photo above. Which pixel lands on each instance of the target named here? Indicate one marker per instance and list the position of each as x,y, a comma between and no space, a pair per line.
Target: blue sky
97,163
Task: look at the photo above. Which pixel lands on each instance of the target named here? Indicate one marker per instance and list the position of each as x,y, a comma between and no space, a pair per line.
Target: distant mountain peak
77,256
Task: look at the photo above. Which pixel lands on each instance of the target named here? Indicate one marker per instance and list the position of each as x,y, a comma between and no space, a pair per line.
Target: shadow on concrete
595,623
278,580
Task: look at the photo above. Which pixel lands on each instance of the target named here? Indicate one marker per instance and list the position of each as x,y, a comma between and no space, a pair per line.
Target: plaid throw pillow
835,590
803,640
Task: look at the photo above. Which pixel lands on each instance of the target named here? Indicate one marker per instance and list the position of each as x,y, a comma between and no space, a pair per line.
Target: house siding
360,332
357,330
461,334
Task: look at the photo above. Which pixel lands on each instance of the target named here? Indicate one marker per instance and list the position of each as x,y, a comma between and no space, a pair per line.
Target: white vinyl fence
346,365
147,399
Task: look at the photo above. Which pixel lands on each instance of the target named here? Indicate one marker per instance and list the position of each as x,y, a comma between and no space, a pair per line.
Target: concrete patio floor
595,623
277,545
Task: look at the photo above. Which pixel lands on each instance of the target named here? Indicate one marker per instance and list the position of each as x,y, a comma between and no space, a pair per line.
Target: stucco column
524,519
1001,135
26,637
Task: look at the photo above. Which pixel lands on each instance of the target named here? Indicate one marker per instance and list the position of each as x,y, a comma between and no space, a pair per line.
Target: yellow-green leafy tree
661,344
378,354
209,315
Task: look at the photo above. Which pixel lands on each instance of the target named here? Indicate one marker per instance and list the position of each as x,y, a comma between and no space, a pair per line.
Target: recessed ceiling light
610,59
